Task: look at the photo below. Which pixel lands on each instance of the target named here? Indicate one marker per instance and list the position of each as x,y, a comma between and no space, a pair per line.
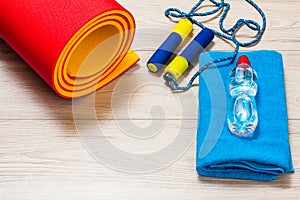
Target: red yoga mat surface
76,46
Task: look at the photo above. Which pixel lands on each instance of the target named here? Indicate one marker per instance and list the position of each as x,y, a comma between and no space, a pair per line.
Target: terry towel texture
223,155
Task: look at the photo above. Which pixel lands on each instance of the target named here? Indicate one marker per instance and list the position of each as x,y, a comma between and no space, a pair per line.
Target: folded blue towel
224,155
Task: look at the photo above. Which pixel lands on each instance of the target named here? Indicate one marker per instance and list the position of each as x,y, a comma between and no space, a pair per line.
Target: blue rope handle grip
227,34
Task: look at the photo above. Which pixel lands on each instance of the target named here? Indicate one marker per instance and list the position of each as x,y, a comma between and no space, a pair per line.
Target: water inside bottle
242,117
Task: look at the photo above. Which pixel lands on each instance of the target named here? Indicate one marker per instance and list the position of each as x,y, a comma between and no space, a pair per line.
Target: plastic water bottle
242,115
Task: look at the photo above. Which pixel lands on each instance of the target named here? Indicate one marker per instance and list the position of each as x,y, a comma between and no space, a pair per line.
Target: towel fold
223,155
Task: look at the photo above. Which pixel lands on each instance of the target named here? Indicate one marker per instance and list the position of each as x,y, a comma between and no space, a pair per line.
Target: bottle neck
243,73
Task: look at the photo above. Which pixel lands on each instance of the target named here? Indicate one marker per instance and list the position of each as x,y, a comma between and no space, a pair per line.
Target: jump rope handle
162,55
181,63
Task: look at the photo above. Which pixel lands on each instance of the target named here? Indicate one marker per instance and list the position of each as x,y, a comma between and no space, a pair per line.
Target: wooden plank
42,159
26,96
153,27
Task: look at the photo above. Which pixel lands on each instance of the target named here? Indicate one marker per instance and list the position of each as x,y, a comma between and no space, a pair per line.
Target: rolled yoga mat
76,46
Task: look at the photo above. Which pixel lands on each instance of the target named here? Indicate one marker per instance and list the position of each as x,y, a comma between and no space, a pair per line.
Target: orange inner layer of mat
97,54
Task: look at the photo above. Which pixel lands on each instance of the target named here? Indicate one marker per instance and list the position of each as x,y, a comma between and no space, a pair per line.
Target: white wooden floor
43,157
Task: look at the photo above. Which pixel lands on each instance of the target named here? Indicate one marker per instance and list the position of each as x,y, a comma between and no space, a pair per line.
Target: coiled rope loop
227,34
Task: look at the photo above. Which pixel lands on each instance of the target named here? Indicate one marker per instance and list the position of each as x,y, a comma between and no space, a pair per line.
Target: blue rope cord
227,34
